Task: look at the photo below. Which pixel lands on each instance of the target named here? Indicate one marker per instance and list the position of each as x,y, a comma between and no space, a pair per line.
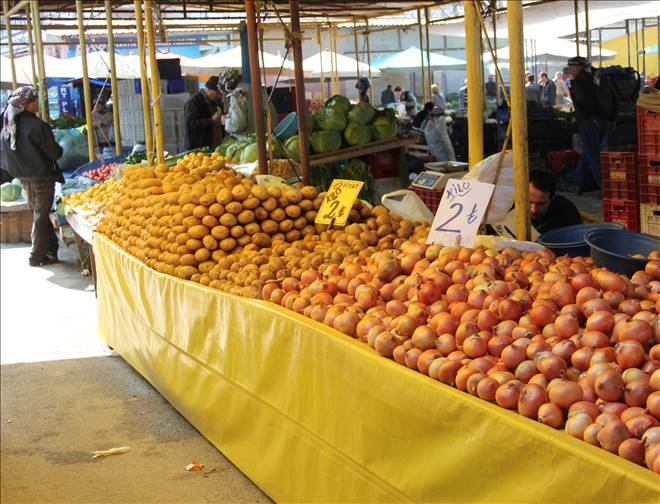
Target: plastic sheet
312,415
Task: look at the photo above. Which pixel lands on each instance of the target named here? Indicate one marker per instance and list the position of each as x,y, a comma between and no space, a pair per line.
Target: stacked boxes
620,174
648,134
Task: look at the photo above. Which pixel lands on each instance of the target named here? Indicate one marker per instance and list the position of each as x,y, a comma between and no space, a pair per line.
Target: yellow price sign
338,202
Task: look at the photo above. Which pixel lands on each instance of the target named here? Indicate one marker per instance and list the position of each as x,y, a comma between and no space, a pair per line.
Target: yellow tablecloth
312,415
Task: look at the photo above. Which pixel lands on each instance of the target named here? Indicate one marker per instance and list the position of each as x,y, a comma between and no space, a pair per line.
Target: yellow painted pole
366,35
421,53
113,78
428,48
335,63
475,90
155,80
518,120
28,29
498,77
144,84
586,28
10,44
357,51
319,41
43,88
86,89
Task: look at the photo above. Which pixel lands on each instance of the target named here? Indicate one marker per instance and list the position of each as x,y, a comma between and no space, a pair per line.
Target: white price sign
461,210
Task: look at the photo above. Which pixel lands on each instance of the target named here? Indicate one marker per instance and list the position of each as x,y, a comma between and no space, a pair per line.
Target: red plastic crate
430,198
648,142
619,175
557,159
625,212
383,164
649,180
647,121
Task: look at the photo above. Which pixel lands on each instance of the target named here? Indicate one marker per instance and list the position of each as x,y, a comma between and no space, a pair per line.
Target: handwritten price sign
460,212
338,202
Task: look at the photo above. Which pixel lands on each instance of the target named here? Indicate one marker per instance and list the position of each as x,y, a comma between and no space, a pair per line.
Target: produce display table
361,150
83,234
310,414
15,221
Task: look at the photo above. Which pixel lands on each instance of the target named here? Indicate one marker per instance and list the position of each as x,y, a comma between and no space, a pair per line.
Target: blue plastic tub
287,127
613,249
570,240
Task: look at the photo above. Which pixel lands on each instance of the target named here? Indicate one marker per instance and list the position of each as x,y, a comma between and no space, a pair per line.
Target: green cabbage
226,143
278,150
250,154
332,120
325,141
312,122
357,134
236,149
292,148
384,128
10,191
339,103
362,113
17,182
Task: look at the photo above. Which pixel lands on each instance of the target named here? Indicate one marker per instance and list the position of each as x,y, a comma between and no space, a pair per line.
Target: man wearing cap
594,109
31,154
203,117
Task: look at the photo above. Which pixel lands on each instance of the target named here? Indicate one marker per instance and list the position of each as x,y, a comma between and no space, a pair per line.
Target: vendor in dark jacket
548,210
203,117
31,152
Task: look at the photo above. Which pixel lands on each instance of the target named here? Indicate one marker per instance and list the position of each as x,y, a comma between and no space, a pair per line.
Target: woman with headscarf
563,96
31,152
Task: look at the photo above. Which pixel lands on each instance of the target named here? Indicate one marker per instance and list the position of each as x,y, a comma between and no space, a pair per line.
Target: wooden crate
650,219
16,226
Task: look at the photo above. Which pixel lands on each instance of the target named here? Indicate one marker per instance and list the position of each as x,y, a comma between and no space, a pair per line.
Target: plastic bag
437,138
74,145
485,171
408,205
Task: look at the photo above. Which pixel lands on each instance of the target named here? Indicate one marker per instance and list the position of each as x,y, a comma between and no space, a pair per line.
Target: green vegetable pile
354,169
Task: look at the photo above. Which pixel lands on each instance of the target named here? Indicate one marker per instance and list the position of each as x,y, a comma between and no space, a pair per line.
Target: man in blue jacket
31,153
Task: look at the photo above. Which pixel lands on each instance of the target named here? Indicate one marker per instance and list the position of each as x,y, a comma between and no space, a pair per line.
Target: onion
613,298
443,323
633,450
532,396
629,354
639,424
564,349
412,355
585,407
526,370
617,408
628,413
507,394
562,293
385,343
447,372
590,434
638,330
636,392
473,382
577,424
424,337
651,436
609,385
653,404
399,354
600,320
565,393
609,281
612,435
550,414
595,339
487,388
593,305
581,358
587,293
552,367
541,315
654,381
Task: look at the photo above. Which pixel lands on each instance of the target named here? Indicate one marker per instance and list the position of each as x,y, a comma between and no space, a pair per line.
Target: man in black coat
203,117
31,154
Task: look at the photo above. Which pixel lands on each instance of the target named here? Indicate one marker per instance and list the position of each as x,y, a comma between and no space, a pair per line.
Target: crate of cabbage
339,124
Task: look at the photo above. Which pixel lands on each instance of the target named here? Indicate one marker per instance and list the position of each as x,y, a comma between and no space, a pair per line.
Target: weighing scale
435,180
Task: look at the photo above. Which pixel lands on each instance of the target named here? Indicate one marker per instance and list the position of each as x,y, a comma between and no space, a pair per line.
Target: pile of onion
555,339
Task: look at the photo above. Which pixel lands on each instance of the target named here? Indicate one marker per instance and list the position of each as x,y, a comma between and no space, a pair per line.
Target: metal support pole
113,78
300,89
319,41
421,53
366,36
518,120
357,50
600,47
255,71
657,33
144,84
335,62
497,74
155,81
628,39
577,28
28,28
43,88
644,46
428,48
86,88
475,90
5,7
637,44
586,28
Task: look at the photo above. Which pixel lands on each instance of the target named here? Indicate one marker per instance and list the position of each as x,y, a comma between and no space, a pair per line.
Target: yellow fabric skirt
311,415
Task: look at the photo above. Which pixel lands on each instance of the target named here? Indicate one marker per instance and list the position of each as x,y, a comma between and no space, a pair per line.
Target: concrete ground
64,395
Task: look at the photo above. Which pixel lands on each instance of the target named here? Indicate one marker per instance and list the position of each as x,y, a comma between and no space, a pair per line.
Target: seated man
549,211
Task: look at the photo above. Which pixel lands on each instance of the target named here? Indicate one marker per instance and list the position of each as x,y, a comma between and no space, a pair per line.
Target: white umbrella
232,58
98,66
347,67
55,67
411,59
553,48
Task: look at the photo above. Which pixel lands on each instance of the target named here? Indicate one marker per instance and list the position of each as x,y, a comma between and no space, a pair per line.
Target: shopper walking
548,90
595,107
532,92
563,96
203,117
438,99
387,97
363,85
31,153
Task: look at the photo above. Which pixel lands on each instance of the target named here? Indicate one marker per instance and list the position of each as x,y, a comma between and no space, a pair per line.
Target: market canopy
346,66
233,58
411,59
549,48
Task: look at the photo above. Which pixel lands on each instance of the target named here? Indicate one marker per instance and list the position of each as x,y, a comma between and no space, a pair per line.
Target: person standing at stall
387,97
203,117
437,98
31,154
548,90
